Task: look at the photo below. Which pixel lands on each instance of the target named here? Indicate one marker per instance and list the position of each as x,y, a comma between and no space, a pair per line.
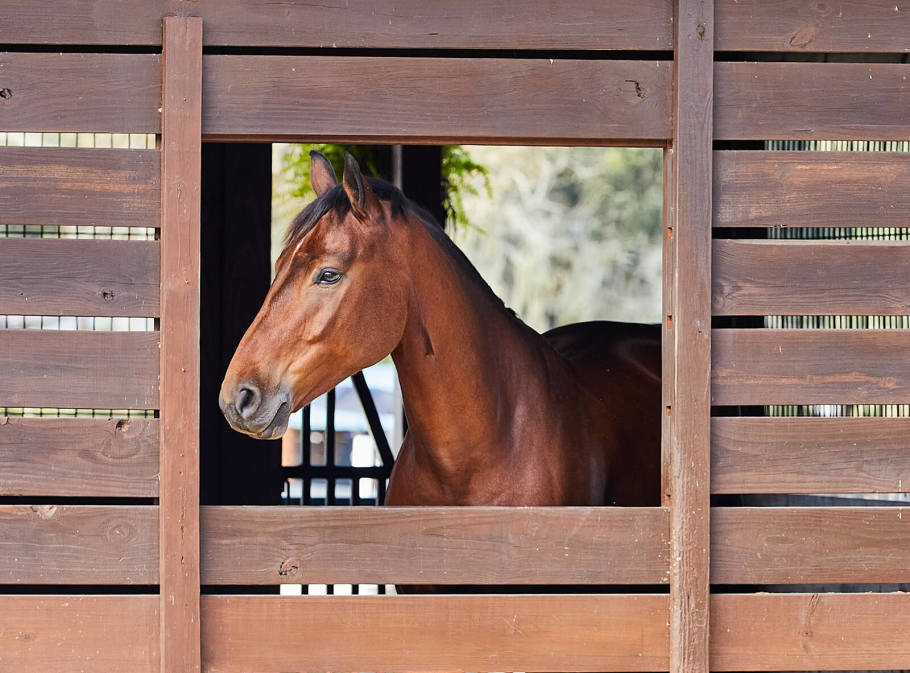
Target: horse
498,414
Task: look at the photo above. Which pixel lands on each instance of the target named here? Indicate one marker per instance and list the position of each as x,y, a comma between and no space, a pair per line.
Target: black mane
336,200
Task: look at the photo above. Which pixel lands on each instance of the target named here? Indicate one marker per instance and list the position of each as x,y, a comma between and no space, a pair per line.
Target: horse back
620,364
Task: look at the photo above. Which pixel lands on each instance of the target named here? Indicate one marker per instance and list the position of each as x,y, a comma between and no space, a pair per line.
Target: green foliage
461,176
297,163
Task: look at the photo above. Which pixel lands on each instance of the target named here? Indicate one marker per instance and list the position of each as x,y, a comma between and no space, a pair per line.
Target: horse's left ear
322,175
362,198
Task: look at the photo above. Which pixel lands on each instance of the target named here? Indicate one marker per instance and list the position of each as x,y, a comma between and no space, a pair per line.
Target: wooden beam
796,366
434,545
105,93
79,544
79,370
809,632
84,186
180,252
78,277
810,455
70,457
482,100
90,634
576,632
689,478
361,24
809,101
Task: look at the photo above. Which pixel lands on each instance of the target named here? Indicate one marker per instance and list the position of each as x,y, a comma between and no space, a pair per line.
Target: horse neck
462,363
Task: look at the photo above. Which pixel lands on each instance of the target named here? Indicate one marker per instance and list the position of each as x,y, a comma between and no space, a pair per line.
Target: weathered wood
78,277
90,634
689,479
811,277
577,545
435,633
87,544
69,186
809,632
796,25
70,457
80,92
810,455
809,545
771,366
92,370
811,189
805,101
668,335
372,99
466,24
181,161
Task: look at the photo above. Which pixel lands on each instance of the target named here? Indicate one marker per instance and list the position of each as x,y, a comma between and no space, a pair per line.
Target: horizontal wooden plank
80,92
809,632
41,276
799,101
462,24
81,457
90,370
810,277
811,189
434,545
809,545
810,455
796,25
435,633
79,544
771,366
435,100
90,634
70,186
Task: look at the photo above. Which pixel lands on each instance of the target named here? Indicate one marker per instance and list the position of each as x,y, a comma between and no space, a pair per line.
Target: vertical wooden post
181,152
690,415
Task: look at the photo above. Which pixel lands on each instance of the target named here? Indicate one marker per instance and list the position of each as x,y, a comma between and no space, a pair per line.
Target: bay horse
498,414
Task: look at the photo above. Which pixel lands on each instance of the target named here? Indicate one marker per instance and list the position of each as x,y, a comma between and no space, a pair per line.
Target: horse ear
358,189
322,175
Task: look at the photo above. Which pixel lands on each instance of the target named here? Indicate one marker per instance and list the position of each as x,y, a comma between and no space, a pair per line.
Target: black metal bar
330,444
336,471
307,457
373,421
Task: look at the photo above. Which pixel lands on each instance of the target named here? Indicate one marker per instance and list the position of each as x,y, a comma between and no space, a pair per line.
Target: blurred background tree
561,234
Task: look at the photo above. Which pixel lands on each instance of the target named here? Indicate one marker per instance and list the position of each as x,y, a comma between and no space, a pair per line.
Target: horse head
338,302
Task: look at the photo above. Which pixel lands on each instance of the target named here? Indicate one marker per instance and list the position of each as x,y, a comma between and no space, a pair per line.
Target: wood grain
69,186
90,634
80,92
809,545
84,544
105,458
810,277
690,456
811,189
465,24
771,366
82,369
576,545
181,165
434,633
805,101
435,100
796,25
78,277
810,455
809,632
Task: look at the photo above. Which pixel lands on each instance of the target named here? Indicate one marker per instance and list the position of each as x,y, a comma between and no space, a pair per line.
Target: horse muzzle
252,411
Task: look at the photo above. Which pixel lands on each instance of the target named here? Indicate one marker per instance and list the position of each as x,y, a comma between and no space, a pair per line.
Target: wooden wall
107,545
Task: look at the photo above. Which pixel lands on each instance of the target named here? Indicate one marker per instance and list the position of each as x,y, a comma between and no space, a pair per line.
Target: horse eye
328,277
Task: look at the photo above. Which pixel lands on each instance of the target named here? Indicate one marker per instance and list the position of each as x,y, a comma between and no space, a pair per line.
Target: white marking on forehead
298,246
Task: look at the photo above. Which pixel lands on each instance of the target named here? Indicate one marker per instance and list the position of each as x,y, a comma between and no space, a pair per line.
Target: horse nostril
247,401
